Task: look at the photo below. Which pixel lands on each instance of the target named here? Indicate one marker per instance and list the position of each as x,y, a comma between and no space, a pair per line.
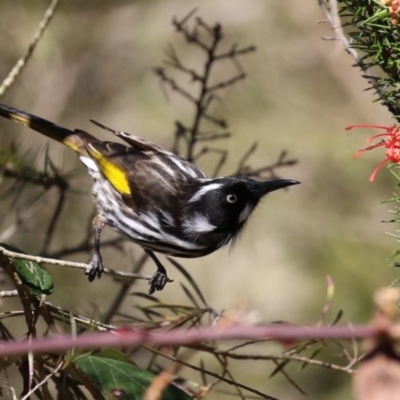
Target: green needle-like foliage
375,34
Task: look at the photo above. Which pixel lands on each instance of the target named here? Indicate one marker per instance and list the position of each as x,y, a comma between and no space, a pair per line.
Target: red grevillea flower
390,140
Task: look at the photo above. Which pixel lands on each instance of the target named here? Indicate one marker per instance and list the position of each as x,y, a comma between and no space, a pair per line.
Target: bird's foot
96,267
158,281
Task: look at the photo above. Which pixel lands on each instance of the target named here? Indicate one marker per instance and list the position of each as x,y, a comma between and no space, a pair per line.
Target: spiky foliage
375,35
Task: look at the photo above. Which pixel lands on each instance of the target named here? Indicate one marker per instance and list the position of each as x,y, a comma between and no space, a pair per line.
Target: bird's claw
96,267
158,281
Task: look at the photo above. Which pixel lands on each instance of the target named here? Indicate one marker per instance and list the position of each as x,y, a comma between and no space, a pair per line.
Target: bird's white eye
231,198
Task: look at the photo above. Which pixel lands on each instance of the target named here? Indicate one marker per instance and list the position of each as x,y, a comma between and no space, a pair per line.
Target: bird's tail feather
76,140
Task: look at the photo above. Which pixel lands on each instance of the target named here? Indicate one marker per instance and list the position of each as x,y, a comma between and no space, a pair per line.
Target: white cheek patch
245,213
204,190
199,223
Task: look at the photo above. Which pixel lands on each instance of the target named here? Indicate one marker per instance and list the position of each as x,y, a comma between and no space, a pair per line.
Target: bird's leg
160,278
96,262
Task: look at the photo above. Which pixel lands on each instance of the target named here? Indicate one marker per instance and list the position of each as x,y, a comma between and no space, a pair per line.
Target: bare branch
33,390
71,264
212,38
83,247
223,85
236,52
258,172
54,220
21,64
161,73
123,291
216,136
332,16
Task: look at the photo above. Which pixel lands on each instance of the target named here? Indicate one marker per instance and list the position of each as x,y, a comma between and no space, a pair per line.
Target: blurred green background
95,61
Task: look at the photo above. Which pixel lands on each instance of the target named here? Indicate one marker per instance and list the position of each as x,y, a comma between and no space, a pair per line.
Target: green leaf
117,379
33,276
114,355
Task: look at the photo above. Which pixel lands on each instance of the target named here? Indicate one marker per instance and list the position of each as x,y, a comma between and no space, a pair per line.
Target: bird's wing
134,141
150,179
156,180
185,169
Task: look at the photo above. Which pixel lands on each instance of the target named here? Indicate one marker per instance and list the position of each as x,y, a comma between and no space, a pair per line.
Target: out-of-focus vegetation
96,61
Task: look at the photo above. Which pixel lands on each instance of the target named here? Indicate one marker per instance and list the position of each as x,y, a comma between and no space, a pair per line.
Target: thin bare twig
21,64
221,161
332,15
21,217
8,293
234,51
228,82
44,180
161,73
83,247
71,264
59,366
54,220
296,358
224,363
122,292
212,38
89,322
243,169
217,136
11,314
213,374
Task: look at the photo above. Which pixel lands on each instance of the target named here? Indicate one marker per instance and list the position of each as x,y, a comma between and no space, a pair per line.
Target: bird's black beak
275,184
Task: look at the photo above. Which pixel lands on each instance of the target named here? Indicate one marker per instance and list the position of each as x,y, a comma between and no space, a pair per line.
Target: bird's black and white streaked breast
171,206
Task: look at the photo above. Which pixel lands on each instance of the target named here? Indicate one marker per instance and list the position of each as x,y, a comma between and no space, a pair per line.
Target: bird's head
224,204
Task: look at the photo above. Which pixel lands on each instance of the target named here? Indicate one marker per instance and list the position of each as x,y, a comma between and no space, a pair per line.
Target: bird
160,201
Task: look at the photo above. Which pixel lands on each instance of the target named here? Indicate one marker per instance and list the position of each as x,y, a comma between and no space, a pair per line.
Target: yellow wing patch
112,172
